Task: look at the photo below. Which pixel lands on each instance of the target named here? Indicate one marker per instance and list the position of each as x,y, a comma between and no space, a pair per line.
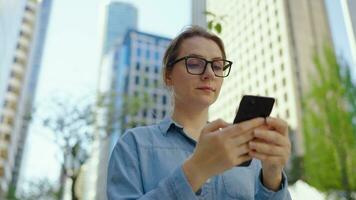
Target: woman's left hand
272,146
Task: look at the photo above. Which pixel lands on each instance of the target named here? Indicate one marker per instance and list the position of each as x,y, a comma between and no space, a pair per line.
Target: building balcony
15,83
32,5
8,113
11,96
27,29
25,42
18,69
20,54
4,129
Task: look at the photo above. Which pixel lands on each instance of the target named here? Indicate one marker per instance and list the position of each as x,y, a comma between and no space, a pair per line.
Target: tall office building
118,18
18,23
11,13
134,71
29,91
271,44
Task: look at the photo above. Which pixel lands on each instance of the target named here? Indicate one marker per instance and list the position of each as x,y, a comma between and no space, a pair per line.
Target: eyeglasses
197,66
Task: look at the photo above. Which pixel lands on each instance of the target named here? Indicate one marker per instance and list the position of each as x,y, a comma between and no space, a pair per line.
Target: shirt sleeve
124,179
265,193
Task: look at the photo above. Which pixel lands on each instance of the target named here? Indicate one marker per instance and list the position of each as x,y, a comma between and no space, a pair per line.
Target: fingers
278,124
280,160
240,128
267,149
215,125
242,139
271,137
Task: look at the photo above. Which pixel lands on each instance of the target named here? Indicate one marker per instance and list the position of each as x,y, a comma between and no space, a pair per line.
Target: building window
155,97
156,70
285,97
284,81
146,82
287,113
137,80
164,100
137,66
163,113
157,55
138,52
144,113
147,69
148,54
154,113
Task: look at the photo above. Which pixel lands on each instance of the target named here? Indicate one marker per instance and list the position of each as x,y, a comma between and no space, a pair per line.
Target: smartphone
252,107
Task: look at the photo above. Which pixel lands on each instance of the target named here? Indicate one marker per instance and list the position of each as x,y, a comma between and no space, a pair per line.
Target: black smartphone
251,107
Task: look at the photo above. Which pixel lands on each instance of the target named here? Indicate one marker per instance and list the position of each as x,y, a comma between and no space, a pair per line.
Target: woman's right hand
220,147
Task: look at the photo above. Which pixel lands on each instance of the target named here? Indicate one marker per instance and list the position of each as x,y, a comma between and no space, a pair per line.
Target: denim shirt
146,163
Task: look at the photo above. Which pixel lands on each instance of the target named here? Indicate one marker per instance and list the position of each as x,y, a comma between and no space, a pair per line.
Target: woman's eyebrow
200,56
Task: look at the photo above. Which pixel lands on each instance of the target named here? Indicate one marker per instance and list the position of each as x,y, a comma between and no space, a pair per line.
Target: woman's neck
193,120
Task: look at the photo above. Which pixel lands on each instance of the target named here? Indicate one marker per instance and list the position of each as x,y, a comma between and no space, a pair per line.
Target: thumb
215,125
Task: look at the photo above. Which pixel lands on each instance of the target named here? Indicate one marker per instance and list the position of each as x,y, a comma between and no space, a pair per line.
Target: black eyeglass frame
185,58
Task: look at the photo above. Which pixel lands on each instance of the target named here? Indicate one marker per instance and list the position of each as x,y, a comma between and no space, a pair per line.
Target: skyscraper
18,82
29,92
271,44
119,17
134,71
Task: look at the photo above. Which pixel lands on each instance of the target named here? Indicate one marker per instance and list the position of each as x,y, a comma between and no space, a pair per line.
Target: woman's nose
208,73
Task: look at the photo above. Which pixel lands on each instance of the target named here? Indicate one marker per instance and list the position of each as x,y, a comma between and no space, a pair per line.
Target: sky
71,59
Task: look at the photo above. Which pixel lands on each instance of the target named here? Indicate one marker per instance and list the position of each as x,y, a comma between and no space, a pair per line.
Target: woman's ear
168,78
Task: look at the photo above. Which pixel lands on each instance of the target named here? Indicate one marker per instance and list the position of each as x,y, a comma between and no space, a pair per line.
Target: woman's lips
206,88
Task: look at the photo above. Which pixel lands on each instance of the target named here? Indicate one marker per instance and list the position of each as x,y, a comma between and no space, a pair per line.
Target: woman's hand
272,146
220,147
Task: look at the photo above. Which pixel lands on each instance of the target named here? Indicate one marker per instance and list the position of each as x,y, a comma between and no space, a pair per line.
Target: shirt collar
167,123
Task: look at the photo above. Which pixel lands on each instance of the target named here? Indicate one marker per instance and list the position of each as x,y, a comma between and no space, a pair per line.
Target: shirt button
198,192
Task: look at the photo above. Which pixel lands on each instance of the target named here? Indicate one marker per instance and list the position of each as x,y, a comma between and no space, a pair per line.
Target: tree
41,189
72,125
329,128
76,123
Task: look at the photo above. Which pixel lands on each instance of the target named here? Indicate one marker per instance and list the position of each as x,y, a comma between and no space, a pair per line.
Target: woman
184,157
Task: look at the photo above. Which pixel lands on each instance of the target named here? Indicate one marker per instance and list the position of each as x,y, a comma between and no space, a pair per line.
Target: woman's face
195,90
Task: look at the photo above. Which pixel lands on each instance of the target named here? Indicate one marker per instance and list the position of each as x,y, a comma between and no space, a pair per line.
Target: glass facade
119,18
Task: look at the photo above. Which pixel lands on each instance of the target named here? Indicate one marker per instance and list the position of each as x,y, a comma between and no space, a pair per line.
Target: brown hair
173,48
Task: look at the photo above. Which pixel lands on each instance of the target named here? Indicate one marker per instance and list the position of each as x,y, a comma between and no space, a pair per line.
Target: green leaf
208,13
210,25
218,28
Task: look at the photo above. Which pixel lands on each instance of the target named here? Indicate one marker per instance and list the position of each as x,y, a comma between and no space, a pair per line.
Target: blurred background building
117,18
135,72
23,26
342,18
271,44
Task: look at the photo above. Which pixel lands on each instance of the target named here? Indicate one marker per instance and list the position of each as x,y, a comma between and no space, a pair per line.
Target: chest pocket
239,183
